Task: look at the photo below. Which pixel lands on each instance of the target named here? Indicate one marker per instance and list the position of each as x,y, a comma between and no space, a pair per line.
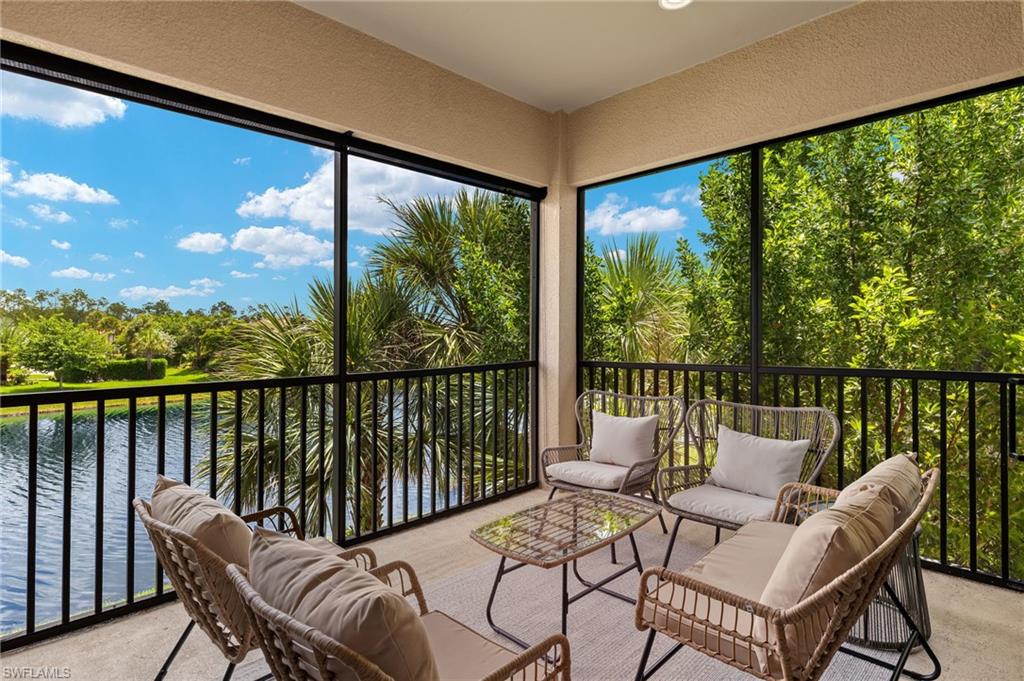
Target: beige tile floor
978,629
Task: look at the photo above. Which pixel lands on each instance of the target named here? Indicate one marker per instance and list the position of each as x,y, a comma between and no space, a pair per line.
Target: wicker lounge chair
199,576
685,489
297,652
796,643
635,479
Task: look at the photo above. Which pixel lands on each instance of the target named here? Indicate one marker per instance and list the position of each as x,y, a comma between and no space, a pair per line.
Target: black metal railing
415,445
964,423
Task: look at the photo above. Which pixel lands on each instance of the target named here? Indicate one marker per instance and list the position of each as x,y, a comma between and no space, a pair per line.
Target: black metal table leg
600,586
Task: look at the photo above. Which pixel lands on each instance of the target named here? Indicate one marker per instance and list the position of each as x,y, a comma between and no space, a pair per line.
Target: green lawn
40,383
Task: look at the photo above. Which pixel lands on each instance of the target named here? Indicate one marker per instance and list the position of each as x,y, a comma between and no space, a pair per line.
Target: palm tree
643,300
420,303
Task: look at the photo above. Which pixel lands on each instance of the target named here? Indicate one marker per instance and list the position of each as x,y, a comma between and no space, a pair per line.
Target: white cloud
13,260
328,264
51,187
686,193
242,161
281,246
615,215
22,222
363,251
127,270
203,242
369,180
278,277
59,105
47,213
139,254
79,273
157,293
99,257
122,223
243,275
62,245
313,201
206,282
354,264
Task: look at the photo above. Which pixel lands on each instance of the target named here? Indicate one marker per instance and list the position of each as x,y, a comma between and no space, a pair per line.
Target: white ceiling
565,55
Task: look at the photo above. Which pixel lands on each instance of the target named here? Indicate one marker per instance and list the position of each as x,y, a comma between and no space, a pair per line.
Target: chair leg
672,540
229,671
898,669
551,495
614,558
661,518
174,651
645,656
718,535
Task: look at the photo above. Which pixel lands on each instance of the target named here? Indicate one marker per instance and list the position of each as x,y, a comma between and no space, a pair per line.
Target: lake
115,506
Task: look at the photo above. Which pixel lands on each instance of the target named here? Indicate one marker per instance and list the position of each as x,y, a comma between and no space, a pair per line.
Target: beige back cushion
823,547
203,517
341,600
828,544
756,465
897,479
622,440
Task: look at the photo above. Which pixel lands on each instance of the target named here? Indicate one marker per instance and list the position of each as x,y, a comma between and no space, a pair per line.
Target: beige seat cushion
723,504
756,465
205,518
344,602
742,565
897,478
588,474
461,653
622,440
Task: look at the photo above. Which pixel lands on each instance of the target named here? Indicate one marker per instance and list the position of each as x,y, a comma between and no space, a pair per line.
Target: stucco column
557,353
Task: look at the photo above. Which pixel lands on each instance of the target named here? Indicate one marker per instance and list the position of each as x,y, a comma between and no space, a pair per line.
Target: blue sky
134,203
666,204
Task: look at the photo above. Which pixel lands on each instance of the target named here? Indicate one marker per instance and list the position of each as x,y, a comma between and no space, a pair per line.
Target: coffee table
561,531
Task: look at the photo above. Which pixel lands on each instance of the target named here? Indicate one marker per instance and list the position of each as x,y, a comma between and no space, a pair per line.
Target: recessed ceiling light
673,4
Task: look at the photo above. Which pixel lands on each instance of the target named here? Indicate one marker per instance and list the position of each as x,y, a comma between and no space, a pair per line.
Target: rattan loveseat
719,613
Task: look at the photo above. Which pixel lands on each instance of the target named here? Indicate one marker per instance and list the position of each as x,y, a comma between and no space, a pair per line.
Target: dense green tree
59,346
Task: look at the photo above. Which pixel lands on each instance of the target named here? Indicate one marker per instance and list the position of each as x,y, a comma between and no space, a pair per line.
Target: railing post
756,242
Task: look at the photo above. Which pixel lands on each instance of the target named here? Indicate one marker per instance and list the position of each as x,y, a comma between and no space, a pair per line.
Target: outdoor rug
604,642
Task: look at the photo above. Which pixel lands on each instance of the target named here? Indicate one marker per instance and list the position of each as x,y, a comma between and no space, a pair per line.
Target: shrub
133,369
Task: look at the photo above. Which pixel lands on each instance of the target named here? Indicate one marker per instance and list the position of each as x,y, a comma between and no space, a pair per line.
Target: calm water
116,511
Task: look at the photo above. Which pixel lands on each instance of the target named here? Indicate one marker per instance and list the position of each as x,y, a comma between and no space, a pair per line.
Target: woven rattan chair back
669,409
296,651
817,424
823,621
199,576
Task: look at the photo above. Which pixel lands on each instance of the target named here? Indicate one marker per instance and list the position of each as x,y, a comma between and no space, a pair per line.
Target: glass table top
566,527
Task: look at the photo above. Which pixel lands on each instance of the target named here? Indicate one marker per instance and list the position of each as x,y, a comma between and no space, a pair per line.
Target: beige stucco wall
867,58
282,58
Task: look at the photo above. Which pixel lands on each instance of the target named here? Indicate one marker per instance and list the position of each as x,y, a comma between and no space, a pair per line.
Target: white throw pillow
757,465
622,440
